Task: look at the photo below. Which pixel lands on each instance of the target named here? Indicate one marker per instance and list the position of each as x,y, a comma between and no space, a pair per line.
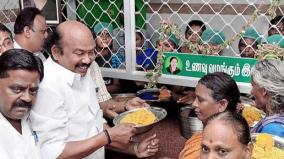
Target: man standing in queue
30,31
67,115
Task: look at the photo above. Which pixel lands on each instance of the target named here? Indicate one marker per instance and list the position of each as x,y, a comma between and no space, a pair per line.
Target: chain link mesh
228,16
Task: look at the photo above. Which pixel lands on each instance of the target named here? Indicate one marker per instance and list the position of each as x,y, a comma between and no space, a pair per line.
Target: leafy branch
167,28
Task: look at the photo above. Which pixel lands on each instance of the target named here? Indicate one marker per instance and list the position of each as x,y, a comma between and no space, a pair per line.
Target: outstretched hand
147,147
136,103
122,133
188,97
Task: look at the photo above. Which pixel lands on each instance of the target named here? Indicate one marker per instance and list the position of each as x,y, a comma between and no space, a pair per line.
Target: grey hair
269,75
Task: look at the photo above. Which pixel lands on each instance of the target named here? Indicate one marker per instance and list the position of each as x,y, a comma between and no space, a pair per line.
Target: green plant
167,28
269,51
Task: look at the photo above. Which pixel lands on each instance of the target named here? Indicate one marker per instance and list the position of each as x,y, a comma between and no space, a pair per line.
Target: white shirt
15,145
38,54
66,110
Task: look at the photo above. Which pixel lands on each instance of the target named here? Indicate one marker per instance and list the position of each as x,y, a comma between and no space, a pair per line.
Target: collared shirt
15,145
38,54
102,93
66,110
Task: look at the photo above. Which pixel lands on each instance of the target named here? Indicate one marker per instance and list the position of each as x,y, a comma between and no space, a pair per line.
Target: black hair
223,87
238,123
20,59
276,20
25,18
54,39
173,58
3,28
140,34
195,22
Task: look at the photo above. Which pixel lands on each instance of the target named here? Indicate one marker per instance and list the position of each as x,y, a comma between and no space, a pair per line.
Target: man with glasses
6,40
30,31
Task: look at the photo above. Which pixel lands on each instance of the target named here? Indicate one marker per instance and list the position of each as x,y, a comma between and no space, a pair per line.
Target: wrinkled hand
136,103
188,98
122,133
148,147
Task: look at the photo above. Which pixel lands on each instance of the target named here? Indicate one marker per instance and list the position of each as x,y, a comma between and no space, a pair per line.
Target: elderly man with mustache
20,75
67,115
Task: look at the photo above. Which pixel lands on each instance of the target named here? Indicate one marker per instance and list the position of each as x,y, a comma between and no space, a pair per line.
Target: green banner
93,11
197,65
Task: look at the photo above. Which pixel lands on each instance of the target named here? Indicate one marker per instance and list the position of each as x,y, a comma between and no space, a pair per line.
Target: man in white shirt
67,116
30,31
20,75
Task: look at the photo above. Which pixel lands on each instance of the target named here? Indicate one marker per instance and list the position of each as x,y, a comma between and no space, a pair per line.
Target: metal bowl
150,95
160,114
279,141
189,123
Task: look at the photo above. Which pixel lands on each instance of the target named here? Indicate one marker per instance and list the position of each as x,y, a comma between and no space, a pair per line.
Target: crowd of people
198,39
53,105
75,98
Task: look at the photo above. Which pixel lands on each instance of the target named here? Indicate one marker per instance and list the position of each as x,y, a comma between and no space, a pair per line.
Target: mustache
23,104
83,65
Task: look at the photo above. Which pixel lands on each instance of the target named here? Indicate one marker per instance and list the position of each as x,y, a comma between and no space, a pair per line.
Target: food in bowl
159,113
265,147
164,94
252,114
141,117
123,97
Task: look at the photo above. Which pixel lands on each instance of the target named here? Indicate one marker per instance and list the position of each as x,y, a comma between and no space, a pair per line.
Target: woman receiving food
268,91
226,135
215,92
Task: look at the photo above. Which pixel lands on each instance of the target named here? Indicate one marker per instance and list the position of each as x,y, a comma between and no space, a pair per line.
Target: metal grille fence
141,18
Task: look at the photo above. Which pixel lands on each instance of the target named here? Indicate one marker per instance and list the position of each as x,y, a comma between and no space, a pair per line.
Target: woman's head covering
213,36
101,26
174,39
252,34
276,39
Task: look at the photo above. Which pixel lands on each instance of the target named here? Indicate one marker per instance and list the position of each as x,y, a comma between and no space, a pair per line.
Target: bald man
67,116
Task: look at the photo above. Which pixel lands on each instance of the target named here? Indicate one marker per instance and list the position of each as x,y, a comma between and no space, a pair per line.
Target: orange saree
192,147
